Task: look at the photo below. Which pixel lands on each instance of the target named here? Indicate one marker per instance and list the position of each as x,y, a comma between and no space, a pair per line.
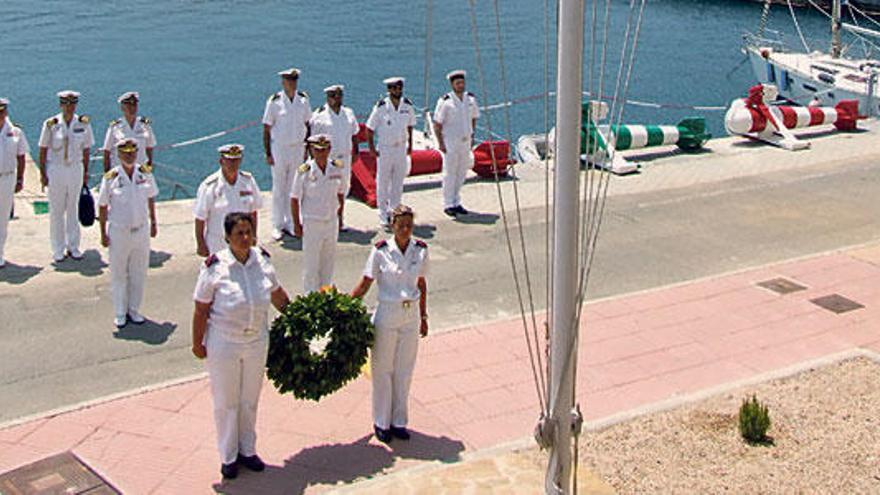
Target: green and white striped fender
689,134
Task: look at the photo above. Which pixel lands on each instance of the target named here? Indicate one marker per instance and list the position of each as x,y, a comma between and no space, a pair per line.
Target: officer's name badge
79,129
245,193
9,134
141,180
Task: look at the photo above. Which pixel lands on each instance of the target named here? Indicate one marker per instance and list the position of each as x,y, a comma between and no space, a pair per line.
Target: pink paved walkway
473,387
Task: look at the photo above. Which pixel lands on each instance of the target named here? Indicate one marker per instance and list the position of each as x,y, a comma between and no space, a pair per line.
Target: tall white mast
569,84
835,29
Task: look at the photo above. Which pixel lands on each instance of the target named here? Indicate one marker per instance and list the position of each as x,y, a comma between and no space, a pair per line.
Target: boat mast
569,84
835,29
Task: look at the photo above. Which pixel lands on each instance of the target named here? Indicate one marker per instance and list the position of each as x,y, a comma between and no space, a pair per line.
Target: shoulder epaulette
115,122
337,163
381,244
275,96
145,169
304,167
15,124
245,173
380,102
146,120
85,119
322,108
471,94
111,174
406,100
422,244
265,252
52,121
302,94
210,260
212,179
446,96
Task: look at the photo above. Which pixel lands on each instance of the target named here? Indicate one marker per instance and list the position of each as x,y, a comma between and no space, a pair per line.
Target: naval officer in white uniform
285,129
340,124
391,123
398,266
127,201
316,204
231,328
455,117
66,141
131,125
227,190
13,148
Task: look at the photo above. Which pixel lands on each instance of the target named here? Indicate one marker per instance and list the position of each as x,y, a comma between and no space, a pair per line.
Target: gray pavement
683,217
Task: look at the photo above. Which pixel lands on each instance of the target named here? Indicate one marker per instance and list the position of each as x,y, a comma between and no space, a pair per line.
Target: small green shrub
754,420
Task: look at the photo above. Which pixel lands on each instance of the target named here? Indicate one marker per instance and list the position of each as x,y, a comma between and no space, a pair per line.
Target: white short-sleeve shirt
390,124
318,192
239,294
216,198
127,197
142,132
58,136
456,115
397,274
341,127
13,144
287,117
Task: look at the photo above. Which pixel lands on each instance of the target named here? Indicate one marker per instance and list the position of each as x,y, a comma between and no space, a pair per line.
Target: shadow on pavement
150,332
424,231
91,264
353,235
18,274
158,258
290,243
339,463
477,218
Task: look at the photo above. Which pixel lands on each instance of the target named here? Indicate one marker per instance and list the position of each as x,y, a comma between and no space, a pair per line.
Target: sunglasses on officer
68,100
334,94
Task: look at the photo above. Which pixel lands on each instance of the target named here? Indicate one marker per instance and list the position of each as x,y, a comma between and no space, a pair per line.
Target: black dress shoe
382,435
400,432
253,462
460,210
452,212
229,471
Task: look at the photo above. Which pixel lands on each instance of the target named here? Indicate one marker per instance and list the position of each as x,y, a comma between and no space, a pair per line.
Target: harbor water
207,66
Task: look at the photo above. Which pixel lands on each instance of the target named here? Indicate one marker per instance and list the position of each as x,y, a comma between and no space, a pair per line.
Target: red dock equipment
424,162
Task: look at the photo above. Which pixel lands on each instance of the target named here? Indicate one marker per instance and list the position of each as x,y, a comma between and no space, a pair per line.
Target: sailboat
817,78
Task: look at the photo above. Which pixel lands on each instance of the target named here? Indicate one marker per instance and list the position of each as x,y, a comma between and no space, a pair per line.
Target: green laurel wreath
294,368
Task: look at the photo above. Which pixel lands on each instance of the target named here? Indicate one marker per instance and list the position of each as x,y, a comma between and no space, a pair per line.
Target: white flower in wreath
319,343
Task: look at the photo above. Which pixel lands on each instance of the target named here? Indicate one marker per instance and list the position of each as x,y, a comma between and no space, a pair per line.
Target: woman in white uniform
399,267
230,327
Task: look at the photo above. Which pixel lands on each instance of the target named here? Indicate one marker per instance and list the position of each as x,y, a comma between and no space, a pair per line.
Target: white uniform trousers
287,159
129,260
65,184
319,252
391,168
457,160
346,172
392,360
7,194
236,372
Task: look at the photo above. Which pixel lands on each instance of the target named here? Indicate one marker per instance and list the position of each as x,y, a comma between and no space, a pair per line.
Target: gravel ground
824,431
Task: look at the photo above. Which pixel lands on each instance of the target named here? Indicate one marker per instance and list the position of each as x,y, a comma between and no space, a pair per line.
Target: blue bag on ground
86,207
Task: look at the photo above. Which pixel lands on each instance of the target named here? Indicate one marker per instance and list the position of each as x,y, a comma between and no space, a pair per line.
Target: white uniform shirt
142,132
12,145
318,192
216,198
65,143
341,127
390,124
239,294
457,115
127,197
397,274
287,117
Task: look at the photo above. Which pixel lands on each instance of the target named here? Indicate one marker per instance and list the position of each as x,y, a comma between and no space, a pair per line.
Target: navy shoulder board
471,94
446,96
381,244
406,100
211,260
380,102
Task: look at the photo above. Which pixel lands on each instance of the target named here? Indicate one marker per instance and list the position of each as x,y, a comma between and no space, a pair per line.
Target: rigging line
548,243
797,26
522,236
856,23
504,219
863,14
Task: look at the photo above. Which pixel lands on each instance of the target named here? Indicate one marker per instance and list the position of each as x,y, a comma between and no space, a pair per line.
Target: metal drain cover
781,285
836,303
62,474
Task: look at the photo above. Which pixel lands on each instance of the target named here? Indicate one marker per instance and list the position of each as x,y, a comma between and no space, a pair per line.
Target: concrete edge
631,414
